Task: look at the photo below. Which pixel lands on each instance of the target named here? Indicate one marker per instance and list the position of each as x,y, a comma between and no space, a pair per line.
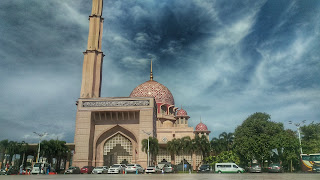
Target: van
39,168
228,168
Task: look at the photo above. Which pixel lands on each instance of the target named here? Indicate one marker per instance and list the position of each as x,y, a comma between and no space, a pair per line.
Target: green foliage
12,148
54,149
186,145
153,145
256,137
201,143
310,138
223,143
223,157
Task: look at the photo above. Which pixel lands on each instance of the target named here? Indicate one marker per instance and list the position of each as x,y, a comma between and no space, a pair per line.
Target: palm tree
173,148
227,139
23,147
202,144
217,146
4,144
12,149
54,149
153,146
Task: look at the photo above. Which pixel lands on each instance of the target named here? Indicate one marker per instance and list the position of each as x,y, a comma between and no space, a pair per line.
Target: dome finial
200,120
151,75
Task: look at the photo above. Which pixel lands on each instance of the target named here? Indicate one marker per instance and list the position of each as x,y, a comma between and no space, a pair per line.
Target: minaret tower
93,56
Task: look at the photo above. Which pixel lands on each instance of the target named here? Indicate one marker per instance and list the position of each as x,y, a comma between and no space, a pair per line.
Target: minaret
93,56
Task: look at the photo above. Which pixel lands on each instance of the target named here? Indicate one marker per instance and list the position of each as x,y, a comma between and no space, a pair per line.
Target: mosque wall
99,119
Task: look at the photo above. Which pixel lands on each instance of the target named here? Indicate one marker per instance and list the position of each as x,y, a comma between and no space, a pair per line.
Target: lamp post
298,128
40,137
148,133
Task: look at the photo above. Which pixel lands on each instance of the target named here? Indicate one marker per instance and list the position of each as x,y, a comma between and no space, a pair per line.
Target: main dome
154,89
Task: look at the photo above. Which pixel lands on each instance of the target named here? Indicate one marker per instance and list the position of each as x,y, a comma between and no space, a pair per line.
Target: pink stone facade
110,130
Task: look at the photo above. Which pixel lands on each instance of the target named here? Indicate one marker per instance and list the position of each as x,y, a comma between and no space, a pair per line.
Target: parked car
168,168
13,171
255,167
72,170
153,169
86,169
204,168
3,172
116,169
316,168
275,167
100,170
133,168
40,168
228,168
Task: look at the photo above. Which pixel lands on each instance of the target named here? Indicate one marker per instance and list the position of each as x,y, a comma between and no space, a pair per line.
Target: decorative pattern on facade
201,127
115,103
182,112
154,89
117,139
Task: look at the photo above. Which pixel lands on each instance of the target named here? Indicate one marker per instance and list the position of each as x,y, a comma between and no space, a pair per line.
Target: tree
54,149
173,148
153,146
202,144
310,138
223,157
255,137
227,139
217,146
287,145
12,149
22,149
4,144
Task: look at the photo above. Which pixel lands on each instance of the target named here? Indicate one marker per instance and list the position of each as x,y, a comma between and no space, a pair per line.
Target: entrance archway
117,150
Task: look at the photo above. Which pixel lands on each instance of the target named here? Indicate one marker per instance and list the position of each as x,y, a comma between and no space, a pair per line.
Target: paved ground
245,176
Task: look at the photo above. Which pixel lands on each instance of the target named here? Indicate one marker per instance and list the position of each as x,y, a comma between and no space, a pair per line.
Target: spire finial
200,120
151,75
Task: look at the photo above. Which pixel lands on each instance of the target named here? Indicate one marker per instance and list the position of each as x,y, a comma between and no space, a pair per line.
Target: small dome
154,89
182,112
201,127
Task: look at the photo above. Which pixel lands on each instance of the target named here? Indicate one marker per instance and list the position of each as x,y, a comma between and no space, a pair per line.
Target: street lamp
298,128
40,137
148,133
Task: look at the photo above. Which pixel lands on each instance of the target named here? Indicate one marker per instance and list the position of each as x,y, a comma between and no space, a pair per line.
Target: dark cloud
222,60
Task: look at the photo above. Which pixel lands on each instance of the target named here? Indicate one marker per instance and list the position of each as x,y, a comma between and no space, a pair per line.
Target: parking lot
194,176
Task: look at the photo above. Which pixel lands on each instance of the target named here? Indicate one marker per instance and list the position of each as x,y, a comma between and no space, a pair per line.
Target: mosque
109,130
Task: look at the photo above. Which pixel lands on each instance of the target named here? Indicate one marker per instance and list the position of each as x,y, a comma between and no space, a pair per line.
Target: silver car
168,168
153,169
116,169
255,168
134,168
100,170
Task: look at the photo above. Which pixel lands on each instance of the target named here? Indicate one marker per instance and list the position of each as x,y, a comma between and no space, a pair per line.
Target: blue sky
222,60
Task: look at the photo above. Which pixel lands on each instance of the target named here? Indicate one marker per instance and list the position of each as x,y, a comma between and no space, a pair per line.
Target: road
245,176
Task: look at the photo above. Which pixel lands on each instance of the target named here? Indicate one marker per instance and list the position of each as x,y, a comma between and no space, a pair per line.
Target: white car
134,168
100,170
39,168
116,169
153,169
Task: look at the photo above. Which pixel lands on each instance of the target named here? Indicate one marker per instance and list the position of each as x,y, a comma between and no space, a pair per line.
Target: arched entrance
117,150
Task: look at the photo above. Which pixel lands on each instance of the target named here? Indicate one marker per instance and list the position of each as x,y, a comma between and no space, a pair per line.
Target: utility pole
148,133
298,128
40,137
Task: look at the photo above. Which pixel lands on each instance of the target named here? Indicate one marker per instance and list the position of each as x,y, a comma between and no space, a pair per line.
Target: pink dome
153,89
182,112
201,127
